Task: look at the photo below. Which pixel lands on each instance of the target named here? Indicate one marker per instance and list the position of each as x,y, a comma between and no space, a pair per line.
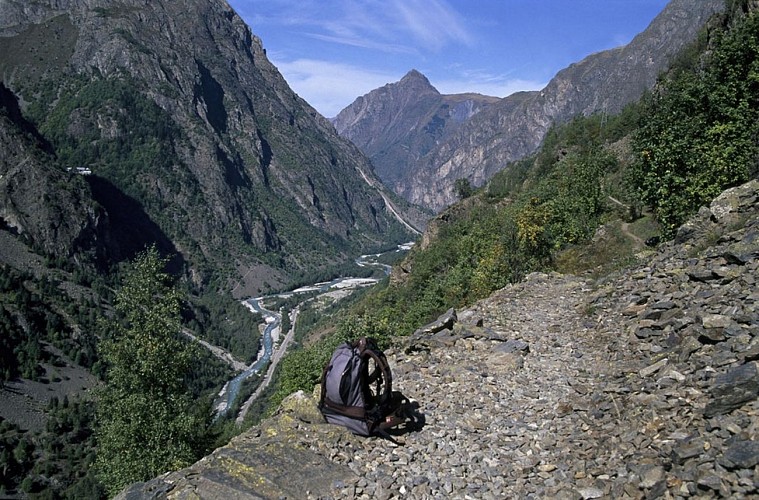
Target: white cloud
390,26
432,22
328,86
461,79
365,43
493,87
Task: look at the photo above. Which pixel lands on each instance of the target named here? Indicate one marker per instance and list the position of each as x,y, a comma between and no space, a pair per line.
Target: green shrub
699,132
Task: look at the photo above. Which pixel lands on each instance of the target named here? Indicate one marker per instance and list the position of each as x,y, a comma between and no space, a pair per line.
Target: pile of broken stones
640,385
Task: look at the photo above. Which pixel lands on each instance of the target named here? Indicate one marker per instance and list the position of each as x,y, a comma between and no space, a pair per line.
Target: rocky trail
515,406
640,385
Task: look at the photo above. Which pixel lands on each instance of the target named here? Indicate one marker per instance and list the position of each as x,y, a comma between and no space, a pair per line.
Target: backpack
356,389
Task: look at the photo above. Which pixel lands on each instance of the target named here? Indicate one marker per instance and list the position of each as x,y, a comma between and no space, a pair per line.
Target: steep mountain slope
40,203
174,108
639,385
400,122
515,126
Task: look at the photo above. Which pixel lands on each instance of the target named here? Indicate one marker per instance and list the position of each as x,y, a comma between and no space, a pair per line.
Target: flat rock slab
274,460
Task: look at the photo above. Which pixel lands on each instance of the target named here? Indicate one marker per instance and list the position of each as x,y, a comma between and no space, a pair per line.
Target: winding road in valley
217,351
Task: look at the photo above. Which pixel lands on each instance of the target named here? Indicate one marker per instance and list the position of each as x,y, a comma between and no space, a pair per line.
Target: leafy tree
533,224
700,129
463,188
146,422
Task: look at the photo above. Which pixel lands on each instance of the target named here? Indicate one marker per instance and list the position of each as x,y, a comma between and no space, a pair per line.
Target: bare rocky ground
24,402
641,385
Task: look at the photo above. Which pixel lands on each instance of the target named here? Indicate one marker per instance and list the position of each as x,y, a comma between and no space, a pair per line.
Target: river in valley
273,321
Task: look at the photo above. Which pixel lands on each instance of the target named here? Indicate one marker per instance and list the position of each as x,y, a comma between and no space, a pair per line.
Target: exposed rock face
42,204
642,385
515,126
275,460
397,124
246,167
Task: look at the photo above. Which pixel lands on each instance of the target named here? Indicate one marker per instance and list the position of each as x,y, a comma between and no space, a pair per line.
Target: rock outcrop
288,456
639,385
40,203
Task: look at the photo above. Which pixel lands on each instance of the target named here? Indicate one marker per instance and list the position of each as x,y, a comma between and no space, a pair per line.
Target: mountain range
133,123
421,142
130,123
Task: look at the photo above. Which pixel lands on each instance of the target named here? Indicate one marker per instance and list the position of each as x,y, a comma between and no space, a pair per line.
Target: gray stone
716,321
469,317
733,388
710,482
712,336
687,449
701,274
741,455
650,370
444,322
651,477
510,346
744,251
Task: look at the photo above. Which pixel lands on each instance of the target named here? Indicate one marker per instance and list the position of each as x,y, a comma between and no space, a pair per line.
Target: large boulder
727,211
289,455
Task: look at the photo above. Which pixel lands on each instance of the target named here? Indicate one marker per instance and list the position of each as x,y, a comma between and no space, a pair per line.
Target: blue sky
332,51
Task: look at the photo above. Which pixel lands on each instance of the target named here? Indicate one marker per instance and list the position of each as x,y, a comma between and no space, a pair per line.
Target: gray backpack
357,389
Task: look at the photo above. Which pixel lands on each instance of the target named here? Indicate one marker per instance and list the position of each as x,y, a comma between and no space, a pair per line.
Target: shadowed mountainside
176,105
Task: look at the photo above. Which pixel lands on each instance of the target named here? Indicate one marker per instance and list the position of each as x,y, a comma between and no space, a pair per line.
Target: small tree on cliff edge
463,188
145,423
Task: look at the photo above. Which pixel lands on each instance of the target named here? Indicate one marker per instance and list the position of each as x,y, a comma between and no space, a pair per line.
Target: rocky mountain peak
396,123
414,81
384,100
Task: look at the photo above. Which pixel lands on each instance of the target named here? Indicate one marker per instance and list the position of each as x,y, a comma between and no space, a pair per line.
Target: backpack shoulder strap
381,374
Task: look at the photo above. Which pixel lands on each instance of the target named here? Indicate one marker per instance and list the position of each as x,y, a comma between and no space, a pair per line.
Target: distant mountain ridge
423,167
174,105
399,122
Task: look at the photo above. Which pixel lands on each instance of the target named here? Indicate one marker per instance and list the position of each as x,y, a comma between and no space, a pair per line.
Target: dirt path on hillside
626,231
222,354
